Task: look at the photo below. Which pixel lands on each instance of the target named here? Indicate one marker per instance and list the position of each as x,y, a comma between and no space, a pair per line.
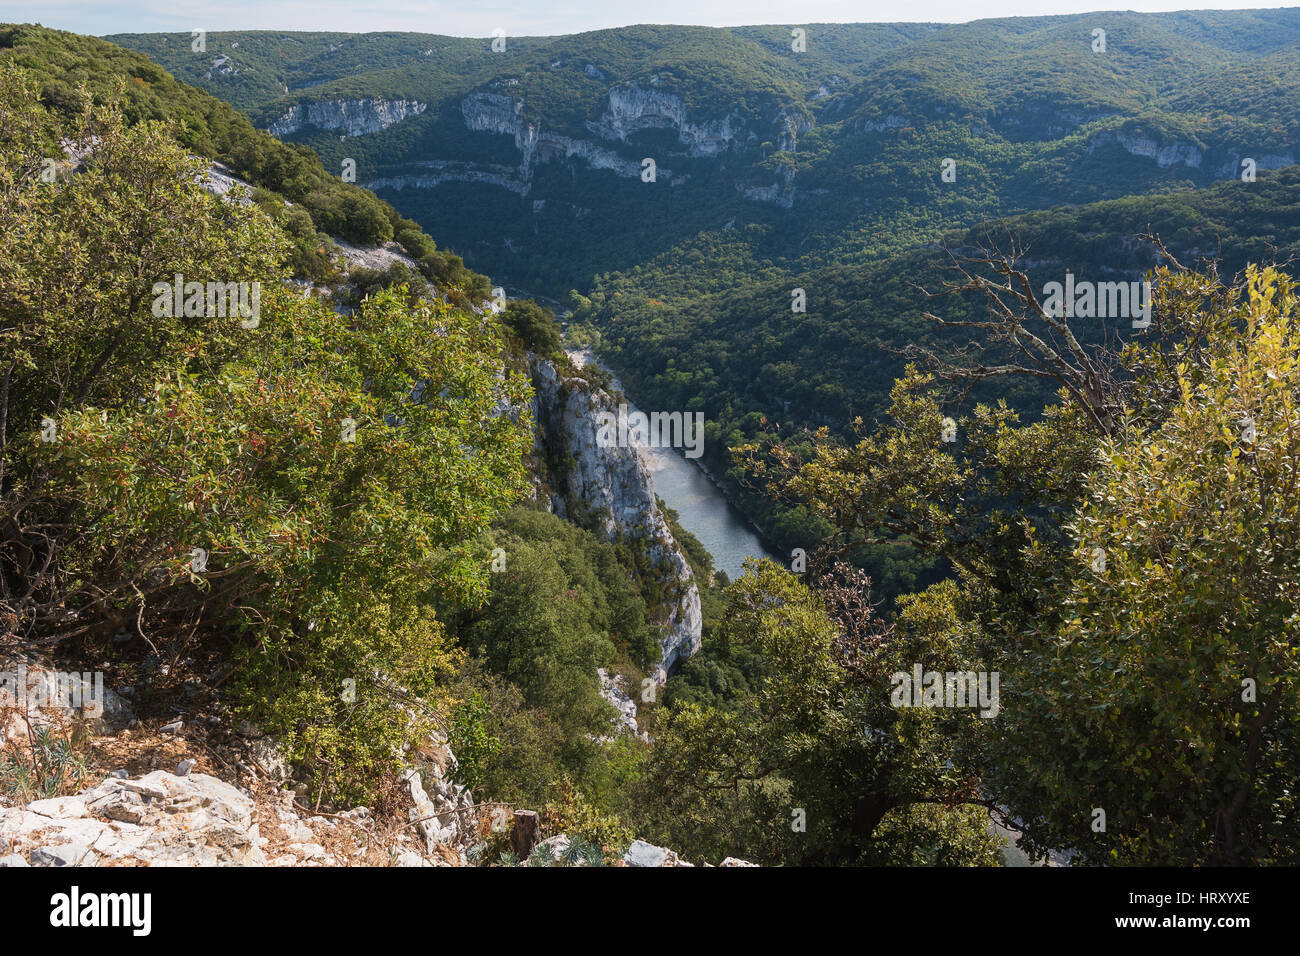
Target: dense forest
831,182
335,545
1092,518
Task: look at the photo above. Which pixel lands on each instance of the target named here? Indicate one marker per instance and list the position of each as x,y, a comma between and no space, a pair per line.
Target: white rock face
632,108
496,113
1165,154
781,192
20,677
441,822
221,180
353,117
641,853
164,819
158,820
376,257
492,113
614,483
222,66
611,688
1232,168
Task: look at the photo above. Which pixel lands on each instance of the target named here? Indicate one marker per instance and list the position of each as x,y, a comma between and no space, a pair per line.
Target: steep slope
345,211
360,314
833,152
756,368
820,170
609,486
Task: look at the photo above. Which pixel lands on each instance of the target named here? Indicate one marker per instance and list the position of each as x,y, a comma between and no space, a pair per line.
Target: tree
1126,563
816,765
285,489
535,326
1166,692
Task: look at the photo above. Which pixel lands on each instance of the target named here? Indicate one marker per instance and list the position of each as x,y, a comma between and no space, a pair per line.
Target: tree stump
525,833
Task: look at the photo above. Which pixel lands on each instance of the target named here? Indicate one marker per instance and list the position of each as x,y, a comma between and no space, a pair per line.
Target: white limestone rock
354,117
616,481
641,853
611,688
160,819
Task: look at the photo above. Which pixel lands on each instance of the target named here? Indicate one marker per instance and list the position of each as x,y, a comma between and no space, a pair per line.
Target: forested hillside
759,370
319,508
60,63
820,169
1047,541
831,155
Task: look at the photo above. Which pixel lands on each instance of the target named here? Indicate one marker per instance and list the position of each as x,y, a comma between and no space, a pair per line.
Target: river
704,512
701,507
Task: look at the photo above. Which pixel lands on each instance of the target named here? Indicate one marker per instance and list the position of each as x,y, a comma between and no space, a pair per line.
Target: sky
534,17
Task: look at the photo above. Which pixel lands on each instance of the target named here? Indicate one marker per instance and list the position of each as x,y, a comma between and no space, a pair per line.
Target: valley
971,360
701,507
777,169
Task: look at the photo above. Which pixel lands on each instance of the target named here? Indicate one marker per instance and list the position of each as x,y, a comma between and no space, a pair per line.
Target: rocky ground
188,793
185,818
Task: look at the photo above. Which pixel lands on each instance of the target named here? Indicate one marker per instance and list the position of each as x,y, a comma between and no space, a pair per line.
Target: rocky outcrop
35,696
1232,168
440,809
641,853
428,174
352,117
632,109
184,817
780,192
612,689
221,180
193,819
497,113
376,257
160,819
1168,153
222,66
1137,144
611,487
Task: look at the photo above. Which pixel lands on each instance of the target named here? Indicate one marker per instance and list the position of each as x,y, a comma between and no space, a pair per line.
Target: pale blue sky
531,17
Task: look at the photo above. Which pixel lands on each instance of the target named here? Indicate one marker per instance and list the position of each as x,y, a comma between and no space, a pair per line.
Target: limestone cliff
631,108
1165,154
496,113
352,117
609,488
